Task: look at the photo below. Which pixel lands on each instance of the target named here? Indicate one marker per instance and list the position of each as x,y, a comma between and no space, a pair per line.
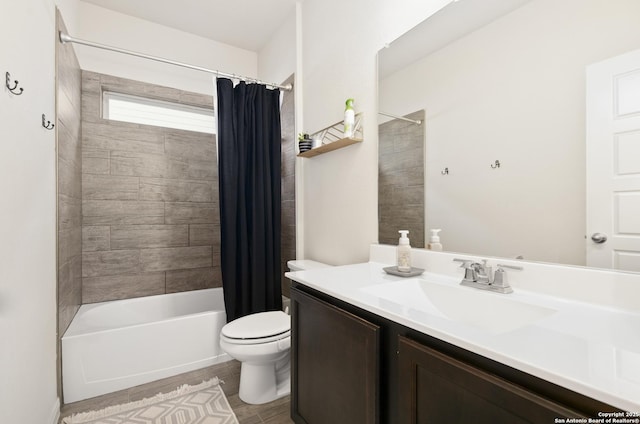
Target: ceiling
439,30
247,24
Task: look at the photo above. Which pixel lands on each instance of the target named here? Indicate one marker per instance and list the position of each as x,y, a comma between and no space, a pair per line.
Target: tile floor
276,412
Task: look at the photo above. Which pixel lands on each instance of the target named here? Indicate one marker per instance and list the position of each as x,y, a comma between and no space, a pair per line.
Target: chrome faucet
481,276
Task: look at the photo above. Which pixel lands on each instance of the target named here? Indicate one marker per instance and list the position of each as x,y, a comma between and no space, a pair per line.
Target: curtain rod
402,118
66,38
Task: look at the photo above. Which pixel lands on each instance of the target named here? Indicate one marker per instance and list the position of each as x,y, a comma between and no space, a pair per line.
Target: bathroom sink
493,312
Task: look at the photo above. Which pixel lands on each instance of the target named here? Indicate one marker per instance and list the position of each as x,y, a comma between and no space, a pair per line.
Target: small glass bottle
349,119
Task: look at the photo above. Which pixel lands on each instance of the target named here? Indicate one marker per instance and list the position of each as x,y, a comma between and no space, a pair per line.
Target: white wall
28,217
277,58
116,29
69,11
340,41
519,99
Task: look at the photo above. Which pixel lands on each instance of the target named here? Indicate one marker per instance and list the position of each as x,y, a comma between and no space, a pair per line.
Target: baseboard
54,417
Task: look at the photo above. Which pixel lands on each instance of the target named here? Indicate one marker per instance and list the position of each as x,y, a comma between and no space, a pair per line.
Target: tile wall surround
69,188
150,216
288,155
138,205
401,180
69,159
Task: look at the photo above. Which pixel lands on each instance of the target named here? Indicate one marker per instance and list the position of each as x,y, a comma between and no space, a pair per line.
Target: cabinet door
435,388
335,364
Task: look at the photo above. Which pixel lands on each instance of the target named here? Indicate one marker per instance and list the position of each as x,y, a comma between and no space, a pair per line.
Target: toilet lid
258,326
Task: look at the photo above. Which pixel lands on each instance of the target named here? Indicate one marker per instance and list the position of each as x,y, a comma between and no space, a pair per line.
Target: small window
141,110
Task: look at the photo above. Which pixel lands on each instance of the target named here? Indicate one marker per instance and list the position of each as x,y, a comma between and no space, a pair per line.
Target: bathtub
114,345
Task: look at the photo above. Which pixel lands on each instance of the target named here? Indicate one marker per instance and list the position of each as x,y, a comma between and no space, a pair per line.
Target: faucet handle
470,272
500,277
518,268
465,262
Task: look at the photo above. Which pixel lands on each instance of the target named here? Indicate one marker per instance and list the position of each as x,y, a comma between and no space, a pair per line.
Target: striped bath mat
204,403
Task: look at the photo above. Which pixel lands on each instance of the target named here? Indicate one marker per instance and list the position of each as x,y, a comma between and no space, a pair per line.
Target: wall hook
47,124
496,164
13,89
445,171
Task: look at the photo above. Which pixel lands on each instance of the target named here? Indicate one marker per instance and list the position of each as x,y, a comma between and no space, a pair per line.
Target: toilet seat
261,327
256,341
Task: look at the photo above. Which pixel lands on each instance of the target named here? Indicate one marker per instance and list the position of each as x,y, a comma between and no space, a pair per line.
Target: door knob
599,238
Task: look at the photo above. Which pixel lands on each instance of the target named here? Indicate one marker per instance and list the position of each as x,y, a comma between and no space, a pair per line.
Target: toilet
261,342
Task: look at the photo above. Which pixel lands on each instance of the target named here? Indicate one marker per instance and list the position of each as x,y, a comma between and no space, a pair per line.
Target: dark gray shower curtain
249,180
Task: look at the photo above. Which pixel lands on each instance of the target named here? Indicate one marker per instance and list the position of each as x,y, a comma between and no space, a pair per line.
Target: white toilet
261,342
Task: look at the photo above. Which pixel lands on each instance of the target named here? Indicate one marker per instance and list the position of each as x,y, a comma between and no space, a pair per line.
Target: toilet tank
297,265
305,265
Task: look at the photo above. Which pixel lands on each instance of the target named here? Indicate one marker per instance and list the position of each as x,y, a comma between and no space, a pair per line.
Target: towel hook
13,89
496,164
47,124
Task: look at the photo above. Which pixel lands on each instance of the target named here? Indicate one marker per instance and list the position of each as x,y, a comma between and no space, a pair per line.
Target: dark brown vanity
352,366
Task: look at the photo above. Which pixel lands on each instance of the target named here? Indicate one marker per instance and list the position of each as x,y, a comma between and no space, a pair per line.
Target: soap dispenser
403,252
434,240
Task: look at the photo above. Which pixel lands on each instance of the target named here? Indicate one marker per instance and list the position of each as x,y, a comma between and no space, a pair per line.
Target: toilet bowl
261,342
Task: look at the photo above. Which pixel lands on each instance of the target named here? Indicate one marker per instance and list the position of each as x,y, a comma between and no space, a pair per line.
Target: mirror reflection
401,178
533,109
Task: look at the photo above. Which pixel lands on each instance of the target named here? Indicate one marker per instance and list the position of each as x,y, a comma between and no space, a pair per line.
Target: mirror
502,86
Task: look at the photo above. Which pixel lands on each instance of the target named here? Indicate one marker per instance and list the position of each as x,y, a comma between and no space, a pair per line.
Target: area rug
204,403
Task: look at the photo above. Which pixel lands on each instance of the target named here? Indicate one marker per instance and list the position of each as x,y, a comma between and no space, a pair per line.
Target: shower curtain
249,179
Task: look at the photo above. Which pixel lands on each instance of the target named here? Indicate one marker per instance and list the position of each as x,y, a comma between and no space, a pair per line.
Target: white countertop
590,349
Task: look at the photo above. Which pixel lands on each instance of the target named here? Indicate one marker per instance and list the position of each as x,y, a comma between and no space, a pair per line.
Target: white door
613,163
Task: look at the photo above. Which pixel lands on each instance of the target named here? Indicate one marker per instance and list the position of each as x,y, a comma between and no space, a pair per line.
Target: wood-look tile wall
401,180
150,218
69,190
288,162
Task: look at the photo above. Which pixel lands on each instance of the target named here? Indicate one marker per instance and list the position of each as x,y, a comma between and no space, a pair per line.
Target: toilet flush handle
284,344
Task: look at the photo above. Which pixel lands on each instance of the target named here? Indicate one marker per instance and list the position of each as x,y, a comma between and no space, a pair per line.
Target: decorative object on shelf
47,124
496,165
349,118
304,142
13,89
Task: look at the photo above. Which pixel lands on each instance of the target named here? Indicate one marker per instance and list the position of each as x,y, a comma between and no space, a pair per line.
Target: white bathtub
114,345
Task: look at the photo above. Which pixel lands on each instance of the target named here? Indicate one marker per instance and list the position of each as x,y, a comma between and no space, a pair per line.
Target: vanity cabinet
352,366
435,388
335,353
